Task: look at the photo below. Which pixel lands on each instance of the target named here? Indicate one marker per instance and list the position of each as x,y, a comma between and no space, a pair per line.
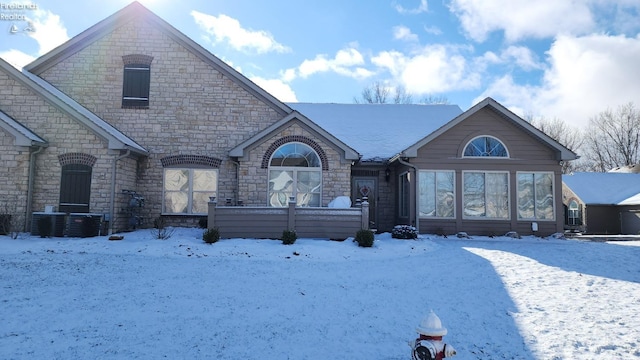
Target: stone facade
195,109
14,163
63,134
254,175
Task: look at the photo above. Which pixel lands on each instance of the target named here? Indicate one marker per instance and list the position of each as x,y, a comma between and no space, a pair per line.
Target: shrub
211,236
289,237
44,226
203,223
404,232
364,238
161,231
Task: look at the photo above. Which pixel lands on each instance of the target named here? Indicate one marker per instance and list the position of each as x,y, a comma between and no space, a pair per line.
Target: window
135,86
535,196
486,195
187,191
485,146
404,195
295,171
436,194
574,216
75,188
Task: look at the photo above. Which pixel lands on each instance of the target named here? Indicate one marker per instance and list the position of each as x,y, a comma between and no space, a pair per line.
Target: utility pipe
113,189
32,169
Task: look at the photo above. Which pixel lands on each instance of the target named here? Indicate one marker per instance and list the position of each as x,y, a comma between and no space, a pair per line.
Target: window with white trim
485,146
535,196
436,194
187,190
485,195
574,216
295,171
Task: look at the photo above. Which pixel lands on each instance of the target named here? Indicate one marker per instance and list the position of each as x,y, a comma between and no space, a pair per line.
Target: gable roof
136,11
378,131
58,99
240,150
564,153
23,135
605,188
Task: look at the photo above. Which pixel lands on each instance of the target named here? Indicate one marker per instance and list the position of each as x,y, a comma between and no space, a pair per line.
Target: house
602,203
131,120
484,171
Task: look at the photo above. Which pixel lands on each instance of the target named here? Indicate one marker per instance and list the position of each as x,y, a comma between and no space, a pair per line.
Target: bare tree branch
613,138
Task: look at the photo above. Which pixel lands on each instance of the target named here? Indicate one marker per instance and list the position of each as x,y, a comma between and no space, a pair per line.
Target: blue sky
565,59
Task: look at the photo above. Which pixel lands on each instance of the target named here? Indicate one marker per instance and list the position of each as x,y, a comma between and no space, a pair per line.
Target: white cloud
585,76
520,19
433,30
278,88
224,28
519,55
45,28
49,31
348,62
422,7
16,58
435,69
404,33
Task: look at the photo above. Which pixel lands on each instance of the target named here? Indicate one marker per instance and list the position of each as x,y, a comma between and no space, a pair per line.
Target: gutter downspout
415,190
113,190
237,187
32,170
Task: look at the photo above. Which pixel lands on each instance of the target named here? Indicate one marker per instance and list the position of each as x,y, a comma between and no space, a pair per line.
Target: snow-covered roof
378,131
605,188
627,169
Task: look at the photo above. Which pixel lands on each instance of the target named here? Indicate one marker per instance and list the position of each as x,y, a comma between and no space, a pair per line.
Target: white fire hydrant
429,344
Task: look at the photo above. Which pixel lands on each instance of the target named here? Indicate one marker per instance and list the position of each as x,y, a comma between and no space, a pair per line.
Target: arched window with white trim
295,171
485,146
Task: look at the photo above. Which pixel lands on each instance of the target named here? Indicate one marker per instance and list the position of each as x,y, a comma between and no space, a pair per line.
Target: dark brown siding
526,154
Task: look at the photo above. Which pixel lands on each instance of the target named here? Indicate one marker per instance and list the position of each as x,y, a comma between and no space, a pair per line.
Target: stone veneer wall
14,169
254,183
193,108
65,135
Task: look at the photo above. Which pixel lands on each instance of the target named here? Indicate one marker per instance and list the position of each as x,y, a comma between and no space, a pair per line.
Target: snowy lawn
144,298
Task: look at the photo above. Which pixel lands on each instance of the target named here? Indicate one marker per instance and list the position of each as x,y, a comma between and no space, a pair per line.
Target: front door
367,187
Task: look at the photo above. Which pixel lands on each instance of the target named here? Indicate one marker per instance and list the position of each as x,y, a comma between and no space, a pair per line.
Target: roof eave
240,150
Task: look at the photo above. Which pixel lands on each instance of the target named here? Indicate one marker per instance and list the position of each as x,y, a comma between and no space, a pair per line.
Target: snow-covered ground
144,298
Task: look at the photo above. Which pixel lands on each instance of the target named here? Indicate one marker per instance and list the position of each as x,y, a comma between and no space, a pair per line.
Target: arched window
295,171
574,213
485,146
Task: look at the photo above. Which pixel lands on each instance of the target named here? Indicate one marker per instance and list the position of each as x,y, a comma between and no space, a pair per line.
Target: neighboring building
131,108
602,203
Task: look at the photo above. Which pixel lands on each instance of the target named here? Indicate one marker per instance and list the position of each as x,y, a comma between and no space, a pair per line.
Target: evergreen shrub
365,238
211,236
404,232
289,237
